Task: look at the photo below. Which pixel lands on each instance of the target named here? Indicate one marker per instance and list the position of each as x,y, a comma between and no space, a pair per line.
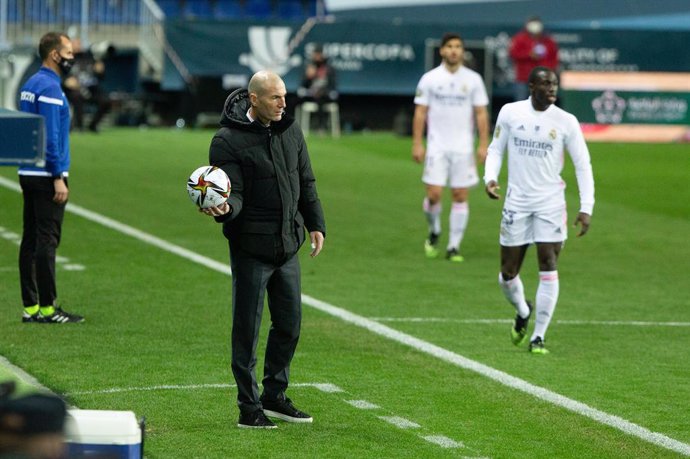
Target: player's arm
418,125
579,154
494,157
481,114
309,204
221,155
49,105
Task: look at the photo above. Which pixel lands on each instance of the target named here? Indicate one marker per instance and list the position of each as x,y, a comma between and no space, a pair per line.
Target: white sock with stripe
514,292
547,296
433,215
459,215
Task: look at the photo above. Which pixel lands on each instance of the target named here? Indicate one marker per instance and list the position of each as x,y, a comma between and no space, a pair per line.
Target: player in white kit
449,99
535,132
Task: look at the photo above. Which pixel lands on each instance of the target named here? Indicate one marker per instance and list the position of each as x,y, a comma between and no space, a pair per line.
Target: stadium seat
260,9
171,8
198,9
228,9
41,11
291,9
14,13
105,11
304,111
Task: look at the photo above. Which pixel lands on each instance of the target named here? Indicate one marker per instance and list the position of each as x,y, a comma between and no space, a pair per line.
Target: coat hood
235,114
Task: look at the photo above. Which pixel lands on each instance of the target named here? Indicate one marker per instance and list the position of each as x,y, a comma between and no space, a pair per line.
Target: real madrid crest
552,134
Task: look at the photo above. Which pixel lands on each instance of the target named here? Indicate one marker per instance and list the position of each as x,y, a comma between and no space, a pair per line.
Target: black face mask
65,65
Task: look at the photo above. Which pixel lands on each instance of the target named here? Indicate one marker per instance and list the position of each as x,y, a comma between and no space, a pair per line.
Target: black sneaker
518,333
30,318
255,420
285,410
60,317
536,346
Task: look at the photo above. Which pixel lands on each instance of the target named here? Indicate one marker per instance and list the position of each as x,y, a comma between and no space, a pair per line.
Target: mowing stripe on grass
23,376
635,323
403,338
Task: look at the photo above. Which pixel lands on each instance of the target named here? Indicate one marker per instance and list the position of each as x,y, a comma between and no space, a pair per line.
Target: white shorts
520,228
450,169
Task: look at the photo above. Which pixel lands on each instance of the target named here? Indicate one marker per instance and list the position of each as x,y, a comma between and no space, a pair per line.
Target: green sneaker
454,256
518,334
536,346
431,246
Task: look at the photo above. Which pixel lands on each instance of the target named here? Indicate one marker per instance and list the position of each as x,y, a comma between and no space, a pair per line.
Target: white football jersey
451,98
536,142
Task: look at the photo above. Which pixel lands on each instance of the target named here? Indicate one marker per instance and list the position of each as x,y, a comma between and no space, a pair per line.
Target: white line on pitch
363,404
16,239
323,387
443,442
636,323
399,422
403,338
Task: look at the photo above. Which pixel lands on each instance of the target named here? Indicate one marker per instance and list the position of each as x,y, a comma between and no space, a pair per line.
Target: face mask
65,65
534,27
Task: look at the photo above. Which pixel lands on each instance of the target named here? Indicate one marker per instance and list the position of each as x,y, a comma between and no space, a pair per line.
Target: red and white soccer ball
208,186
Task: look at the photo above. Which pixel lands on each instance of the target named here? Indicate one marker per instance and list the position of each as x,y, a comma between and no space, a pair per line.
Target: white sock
515,294
547,296
459,214
433,215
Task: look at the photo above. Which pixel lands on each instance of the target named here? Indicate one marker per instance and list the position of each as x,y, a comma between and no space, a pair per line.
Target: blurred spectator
318,84
31,426
530,48
83,87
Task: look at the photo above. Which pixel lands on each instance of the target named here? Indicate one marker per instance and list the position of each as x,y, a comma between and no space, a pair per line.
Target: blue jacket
42,95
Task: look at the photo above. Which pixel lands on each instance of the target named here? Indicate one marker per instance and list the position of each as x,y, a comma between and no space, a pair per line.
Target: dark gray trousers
251,280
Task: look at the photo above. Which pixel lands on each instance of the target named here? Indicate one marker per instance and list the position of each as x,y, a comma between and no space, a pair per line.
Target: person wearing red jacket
530,48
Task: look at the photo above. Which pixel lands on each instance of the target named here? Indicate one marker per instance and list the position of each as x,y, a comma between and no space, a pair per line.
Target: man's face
452,52
269,104
64,51
544,89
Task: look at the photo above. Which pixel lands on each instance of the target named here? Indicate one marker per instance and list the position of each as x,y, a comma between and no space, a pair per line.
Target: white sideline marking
363,404
62,261
443,442
422,346
399,422
510,321
324,387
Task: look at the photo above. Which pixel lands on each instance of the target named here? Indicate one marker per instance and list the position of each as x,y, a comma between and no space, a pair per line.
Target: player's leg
516,235
27,248
459,216
463,176
514,291
285,305
550,231
547,292
249,279
432,211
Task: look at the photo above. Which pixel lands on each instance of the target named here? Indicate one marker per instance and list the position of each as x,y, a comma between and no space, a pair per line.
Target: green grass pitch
157,336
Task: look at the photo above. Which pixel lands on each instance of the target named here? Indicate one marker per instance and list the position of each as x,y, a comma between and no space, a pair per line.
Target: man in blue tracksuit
45,187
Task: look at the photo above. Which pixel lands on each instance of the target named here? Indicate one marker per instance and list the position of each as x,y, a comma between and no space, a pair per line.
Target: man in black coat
273,199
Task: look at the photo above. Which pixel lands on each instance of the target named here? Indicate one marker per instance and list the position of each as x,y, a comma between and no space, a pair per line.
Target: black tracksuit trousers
40,239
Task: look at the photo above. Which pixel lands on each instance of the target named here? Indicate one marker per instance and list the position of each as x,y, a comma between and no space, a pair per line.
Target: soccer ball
208,186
